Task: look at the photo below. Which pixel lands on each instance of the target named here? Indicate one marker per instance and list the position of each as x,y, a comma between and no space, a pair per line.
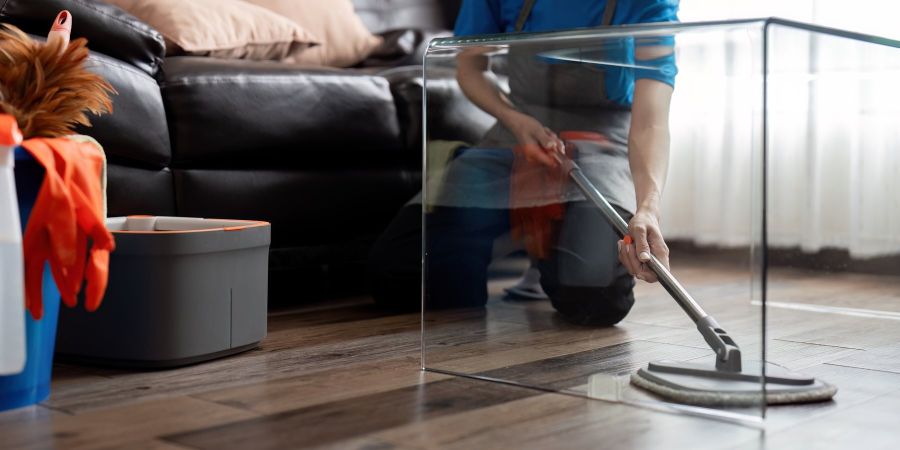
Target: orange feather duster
46,88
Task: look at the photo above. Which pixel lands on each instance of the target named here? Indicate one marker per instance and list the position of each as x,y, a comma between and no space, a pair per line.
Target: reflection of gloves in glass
536,203
67,213
537,193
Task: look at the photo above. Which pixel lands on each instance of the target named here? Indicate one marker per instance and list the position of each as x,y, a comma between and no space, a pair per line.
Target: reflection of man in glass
616,93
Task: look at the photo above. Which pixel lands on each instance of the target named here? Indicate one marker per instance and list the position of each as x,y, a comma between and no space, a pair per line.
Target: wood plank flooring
347,376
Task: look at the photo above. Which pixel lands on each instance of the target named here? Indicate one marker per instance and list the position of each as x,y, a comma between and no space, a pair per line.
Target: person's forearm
532,137
648,156
475,83
648,142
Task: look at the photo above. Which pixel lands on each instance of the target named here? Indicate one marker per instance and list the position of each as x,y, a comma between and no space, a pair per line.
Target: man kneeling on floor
612,119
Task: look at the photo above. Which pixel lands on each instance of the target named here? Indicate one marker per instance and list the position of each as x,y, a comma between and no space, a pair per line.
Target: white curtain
834,117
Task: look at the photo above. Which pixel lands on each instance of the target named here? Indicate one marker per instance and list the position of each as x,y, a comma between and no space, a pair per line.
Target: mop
729,382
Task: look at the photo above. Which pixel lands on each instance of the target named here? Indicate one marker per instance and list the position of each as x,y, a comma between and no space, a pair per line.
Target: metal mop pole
728,355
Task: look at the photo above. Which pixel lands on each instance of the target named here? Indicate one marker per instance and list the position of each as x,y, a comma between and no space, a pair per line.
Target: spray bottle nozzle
10,135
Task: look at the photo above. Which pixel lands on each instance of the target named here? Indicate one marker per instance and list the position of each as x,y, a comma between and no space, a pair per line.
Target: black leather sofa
326,155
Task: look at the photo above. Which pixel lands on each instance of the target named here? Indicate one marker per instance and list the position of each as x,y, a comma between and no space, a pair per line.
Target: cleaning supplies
12,294
728,382
46,87
181,290
67,214
32,384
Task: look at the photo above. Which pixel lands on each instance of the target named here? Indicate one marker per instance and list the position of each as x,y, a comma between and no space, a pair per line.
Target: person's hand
60,30
643,239
537,142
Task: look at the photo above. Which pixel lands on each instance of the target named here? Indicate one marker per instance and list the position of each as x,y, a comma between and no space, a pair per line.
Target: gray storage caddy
181,291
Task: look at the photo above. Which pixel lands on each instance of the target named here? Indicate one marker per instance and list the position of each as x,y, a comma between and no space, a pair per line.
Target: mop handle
668,281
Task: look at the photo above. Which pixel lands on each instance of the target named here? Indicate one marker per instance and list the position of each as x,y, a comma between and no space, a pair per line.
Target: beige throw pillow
221,28
345,40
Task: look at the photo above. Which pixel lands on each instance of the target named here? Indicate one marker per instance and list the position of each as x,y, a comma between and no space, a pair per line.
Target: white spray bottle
12,289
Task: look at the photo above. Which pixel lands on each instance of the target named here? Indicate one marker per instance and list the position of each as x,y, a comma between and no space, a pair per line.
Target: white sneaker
528,287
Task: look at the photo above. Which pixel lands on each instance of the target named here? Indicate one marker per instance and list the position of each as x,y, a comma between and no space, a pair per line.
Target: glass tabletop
651,29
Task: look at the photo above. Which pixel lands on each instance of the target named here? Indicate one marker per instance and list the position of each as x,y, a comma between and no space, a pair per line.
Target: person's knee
594,305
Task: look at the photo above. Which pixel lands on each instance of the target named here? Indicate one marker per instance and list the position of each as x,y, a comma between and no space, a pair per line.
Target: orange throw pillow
345,39
230,29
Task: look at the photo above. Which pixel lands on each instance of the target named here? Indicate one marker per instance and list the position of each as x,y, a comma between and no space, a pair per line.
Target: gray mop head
712,391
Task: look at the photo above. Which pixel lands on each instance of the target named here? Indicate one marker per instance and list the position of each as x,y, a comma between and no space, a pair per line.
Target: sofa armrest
381,15
451,116
402,47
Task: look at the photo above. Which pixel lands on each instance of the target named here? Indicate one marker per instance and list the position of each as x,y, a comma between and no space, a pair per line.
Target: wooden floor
346,376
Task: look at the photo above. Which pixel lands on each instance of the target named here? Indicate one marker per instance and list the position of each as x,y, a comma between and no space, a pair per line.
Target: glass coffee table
779,208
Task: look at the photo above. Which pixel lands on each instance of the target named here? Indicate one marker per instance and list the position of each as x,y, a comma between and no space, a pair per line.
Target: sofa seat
307,208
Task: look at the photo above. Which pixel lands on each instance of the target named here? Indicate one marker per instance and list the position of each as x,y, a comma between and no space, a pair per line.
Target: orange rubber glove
533,183
67,213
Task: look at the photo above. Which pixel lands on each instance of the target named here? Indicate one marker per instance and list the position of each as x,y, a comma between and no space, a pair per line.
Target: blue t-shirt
499,16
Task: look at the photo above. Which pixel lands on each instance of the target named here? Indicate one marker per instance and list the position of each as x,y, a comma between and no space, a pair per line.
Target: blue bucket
32,385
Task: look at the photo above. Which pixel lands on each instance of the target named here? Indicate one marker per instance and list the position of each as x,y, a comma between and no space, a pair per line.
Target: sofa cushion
136,130
220,28
345,41
108,29
245,112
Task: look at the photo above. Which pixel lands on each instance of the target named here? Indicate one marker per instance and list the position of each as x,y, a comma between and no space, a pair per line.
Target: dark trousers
582,276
